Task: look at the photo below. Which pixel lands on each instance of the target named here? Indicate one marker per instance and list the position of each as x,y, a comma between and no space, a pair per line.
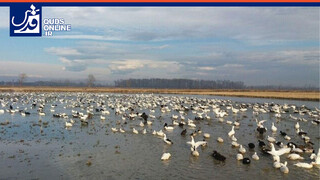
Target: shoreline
276,94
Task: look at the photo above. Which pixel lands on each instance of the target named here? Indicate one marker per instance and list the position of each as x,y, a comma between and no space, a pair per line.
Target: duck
316,157
165,156
242,149
239,156
231,132
160,133
294,156
102,117
276,162
135,131
246,161
218,156
284,168
154,132
273,128
261,143
166,140
233,138
183,132
235,144
255,156
195,145
141,124
271,139
251,145
286,137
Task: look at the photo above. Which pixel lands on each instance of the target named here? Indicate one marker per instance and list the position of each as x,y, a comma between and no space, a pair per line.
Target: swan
231,132
165,156
279,152
294,156
135,131
273,128
239,156
255,156
284,168
242,149
166,140
304,165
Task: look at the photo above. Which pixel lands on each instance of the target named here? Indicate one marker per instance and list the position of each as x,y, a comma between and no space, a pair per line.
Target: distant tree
91,80
21,78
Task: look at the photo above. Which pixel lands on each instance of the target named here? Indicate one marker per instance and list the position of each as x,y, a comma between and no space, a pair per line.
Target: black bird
278,143
261,143
144,116
246,161
291,144
261,130
184,132
11,107
181,124
251,145
283,133
218,156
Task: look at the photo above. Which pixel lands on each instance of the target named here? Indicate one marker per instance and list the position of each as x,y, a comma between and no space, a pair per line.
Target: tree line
179,84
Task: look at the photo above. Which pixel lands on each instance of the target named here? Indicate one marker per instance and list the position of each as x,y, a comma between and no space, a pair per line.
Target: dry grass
299,95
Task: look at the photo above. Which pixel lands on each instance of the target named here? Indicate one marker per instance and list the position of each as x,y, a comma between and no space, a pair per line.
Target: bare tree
21,78
91,80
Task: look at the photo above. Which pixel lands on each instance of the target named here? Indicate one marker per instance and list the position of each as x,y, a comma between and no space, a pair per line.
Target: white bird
297,126
294,156
166,140
273,128
316,157
141,124
255,156
235,144
135,131
304,165
279,152
144,131
68,124
154,132
165,156
114,129
286,137
160,133
102,117
166,127
121,130
206,135
284,168
220,140
231,132
195,145
271,139
233,138
239,156
242,149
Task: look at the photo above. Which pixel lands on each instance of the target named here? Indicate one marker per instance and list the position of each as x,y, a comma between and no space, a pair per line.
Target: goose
273,128
220,140
279,152
276,162
195,144
233,138
255,156
316,157
284,168
102,117
160,133
166,140
154,132
235,144
144,131
141,124
121,130
191,124
296,150
68,124
242,149
304,165
165,156
206,135
271,139
294,156
218,156
114,129
149,122
297,126
239,156
135,131
166,127
286,137
231,132
175,123
229,122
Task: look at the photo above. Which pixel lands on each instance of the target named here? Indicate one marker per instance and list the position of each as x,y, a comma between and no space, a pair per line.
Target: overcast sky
256,45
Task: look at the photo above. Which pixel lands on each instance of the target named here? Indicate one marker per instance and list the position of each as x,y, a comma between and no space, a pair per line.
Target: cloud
63,51
4,17
206,68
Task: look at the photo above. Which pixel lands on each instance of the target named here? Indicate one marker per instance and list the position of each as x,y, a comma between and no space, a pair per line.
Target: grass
281,94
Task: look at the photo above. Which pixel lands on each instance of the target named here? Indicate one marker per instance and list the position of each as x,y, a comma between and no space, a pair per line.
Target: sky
256,45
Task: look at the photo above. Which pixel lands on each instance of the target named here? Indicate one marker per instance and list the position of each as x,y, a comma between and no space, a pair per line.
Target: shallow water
29,149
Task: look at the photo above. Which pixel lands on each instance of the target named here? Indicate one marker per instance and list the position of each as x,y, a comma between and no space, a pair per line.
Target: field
298,95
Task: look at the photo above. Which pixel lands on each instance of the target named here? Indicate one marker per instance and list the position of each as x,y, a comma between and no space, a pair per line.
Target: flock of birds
142,108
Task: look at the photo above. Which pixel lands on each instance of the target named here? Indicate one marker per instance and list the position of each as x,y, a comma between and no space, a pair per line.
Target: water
30,149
